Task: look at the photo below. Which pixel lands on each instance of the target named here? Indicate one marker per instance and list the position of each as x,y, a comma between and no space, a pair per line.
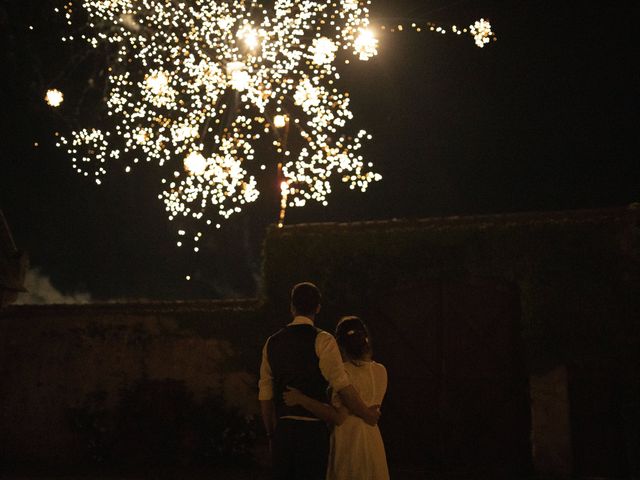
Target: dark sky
545,118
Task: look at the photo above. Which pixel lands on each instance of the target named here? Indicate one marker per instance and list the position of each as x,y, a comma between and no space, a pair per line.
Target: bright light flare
250,37
54,97
280,121
366,45
195,163
239,78
481,31
157,83
323,50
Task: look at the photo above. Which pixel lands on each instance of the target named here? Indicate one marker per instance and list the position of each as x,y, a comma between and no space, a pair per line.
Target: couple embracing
311,384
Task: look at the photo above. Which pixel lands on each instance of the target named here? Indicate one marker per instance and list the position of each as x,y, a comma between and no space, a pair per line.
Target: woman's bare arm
351,398
324,411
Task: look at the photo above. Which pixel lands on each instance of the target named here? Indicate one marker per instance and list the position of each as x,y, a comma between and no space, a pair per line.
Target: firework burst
193,85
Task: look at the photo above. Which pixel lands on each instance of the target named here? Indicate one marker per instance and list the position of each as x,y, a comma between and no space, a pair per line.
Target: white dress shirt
329,361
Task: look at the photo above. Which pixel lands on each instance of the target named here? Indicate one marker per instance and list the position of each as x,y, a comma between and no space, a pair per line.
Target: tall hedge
578,272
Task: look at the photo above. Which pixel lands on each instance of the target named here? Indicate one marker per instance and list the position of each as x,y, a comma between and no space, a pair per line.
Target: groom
307,358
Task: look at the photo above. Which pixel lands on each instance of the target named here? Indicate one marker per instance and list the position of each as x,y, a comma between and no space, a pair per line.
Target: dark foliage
578,273
159,423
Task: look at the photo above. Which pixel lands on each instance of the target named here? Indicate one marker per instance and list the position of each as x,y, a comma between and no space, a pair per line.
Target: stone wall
72,378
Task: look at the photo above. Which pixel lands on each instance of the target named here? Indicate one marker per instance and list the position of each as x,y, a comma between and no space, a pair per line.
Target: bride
356,449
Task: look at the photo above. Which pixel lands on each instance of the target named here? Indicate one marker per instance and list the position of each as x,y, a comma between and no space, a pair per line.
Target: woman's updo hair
353,338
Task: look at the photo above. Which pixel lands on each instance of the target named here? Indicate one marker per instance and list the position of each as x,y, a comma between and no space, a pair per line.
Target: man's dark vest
292,356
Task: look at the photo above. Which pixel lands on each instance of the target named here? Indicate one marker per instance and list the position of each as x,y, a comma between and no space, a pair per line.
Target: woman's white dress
357,451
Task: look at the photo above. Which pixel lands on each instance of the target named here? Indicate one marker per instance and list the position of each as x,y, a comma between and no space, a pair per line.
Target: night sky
545,118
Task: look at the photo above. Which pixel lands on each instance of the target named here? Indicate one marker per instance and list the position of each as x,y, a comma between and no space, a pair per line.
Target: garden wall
128,383
577,275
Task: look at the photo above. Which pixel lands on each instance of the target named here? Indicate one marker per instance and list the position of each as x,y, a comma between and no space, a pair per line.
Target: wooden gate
458,392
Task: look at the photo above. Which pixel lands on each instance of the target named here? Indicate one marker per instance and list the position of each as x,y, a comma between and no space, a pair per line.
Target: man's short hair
305,298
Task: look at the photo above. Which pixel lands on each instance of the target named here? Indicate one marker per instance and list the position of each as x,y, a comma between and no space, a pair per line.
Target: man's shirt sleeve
265,384
330,361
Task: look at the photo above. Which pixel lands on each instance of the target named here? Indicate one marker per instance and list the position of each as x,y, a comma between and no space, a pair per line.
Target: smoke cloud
40,291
